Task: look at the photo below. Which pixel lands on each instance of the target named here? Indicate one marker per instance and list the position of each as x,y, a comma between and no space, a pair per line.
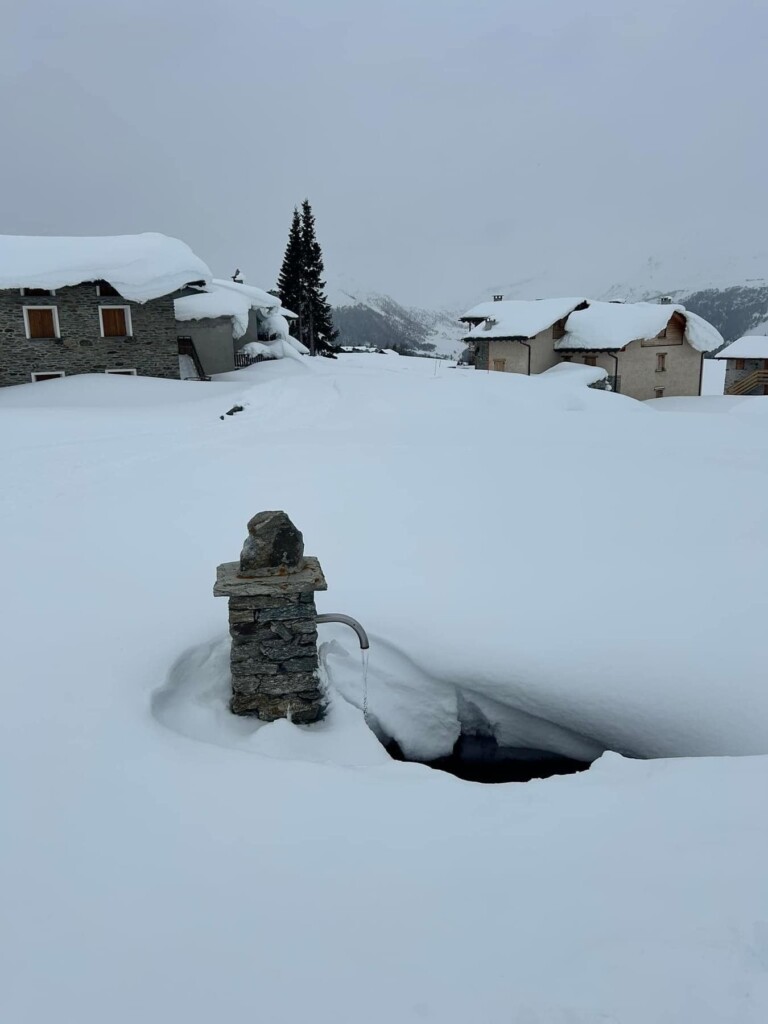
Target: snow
713,377
140,267
187,368
749,347
256,348
226,298
259,299
602,325
215,303
612,325
503,541
276,326
518,318
731,405
575,373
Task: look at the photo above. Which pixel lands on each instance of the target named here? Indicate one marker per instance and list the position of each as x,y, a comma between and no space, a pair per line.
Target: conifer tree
301,286
290,281
320,331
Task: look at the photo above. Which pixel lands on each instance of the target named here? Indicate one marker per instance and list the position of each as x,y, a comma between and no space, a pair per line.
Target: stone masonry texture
152,350
274,659
273,623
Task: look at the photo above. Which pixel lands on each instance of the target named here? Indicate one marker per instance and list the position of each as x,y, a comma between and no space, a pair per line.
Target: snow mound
108,390
194,701
140,267
573,374
732,405
256,348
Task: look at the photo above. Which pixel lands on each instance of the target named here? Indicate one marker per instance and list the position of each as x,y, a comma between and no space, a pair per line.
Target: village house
746,367
647,349
227,324
92,305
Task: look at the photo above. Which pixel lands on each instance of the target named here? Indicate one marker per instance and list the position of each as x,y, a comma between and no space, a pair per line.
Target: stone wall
274,657
151,350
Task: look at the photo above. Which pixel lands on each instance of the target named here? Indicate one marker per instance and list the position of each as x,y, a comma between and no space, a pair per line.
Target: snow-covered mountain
731,292
371,318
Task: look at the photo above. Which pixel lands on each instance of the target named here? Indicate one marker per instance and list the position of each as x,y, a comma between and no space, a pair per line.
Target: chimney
498,298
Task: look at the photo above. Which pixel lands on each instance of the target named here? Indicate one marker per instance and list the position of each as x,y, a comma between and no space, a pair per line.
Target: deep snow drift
563,567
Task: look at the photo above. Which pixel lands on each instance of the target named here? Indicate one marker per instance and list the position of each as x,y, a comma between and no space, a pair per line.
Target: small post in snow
272,622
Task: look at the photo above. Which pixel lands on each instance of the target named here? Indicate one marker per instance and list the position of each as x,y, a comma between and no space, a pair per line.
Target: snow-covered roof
751,346
518,318
612,325
258,297
226,298
140,267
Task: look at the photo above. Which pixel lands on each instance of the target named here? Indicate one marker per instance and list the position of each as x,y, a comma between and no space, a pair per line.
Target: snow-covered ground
562,567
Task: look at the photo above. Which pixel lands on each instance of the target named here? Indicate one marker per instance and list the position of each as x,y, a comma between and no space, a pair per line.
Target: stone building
92,305
647,349
746,367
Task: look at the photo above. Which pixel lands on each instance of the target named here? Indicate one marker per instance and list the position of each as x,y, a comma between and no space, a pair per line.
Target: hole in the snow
481,759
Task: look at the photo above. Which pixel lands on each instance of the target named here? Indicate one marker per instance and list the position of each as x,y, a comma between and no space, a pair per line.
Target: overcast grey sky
447,146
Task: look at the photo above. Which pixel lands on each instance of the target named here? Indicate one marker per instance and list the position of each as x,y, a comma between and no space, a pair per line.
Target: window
739,364
47,375
590,360
499,364
41,321
566,359
658,392
37,291
105,288
125,373
115,321
661,362
558,329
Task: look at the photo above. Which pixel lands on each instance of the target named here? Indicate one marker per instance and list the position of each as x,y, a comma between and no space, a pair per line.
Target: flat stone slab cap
272,541
230,581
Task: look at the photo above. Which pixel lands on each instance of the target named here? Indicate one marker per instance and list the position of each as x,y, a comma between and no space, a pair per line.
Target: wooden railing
756,379
242,359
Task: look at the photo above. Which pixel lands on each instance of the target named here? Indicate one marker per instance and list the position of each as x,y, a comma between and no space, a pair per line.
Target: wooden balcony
756,380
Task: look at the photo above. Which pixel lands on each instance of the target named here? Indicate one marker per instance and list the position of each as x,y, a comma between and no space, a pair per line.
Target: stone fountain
273,623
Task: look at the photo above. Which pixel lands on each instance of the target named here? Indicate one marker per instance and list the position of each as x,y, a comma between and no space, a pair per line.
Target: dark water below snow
479,760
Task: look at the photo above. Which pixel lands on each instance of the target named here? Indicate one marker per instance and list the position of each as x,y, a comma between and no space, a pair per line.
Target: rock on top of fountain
273,545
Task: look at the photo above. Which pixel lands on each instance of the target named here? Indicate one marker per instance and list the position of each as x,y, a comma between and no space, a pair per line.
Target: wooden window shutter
41,323
113,319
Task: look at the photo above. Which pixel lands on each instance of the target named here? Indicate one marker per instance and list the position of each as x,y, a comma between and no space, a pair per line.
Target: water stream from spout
364,654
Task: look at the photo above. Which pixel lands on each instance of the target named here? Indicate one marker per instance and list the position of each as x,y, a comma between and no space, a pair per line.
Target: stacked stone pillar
272,621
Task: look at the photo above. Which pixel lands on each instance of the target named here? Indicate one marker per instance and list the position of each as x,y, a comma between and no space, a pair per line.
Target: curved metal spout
347,620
